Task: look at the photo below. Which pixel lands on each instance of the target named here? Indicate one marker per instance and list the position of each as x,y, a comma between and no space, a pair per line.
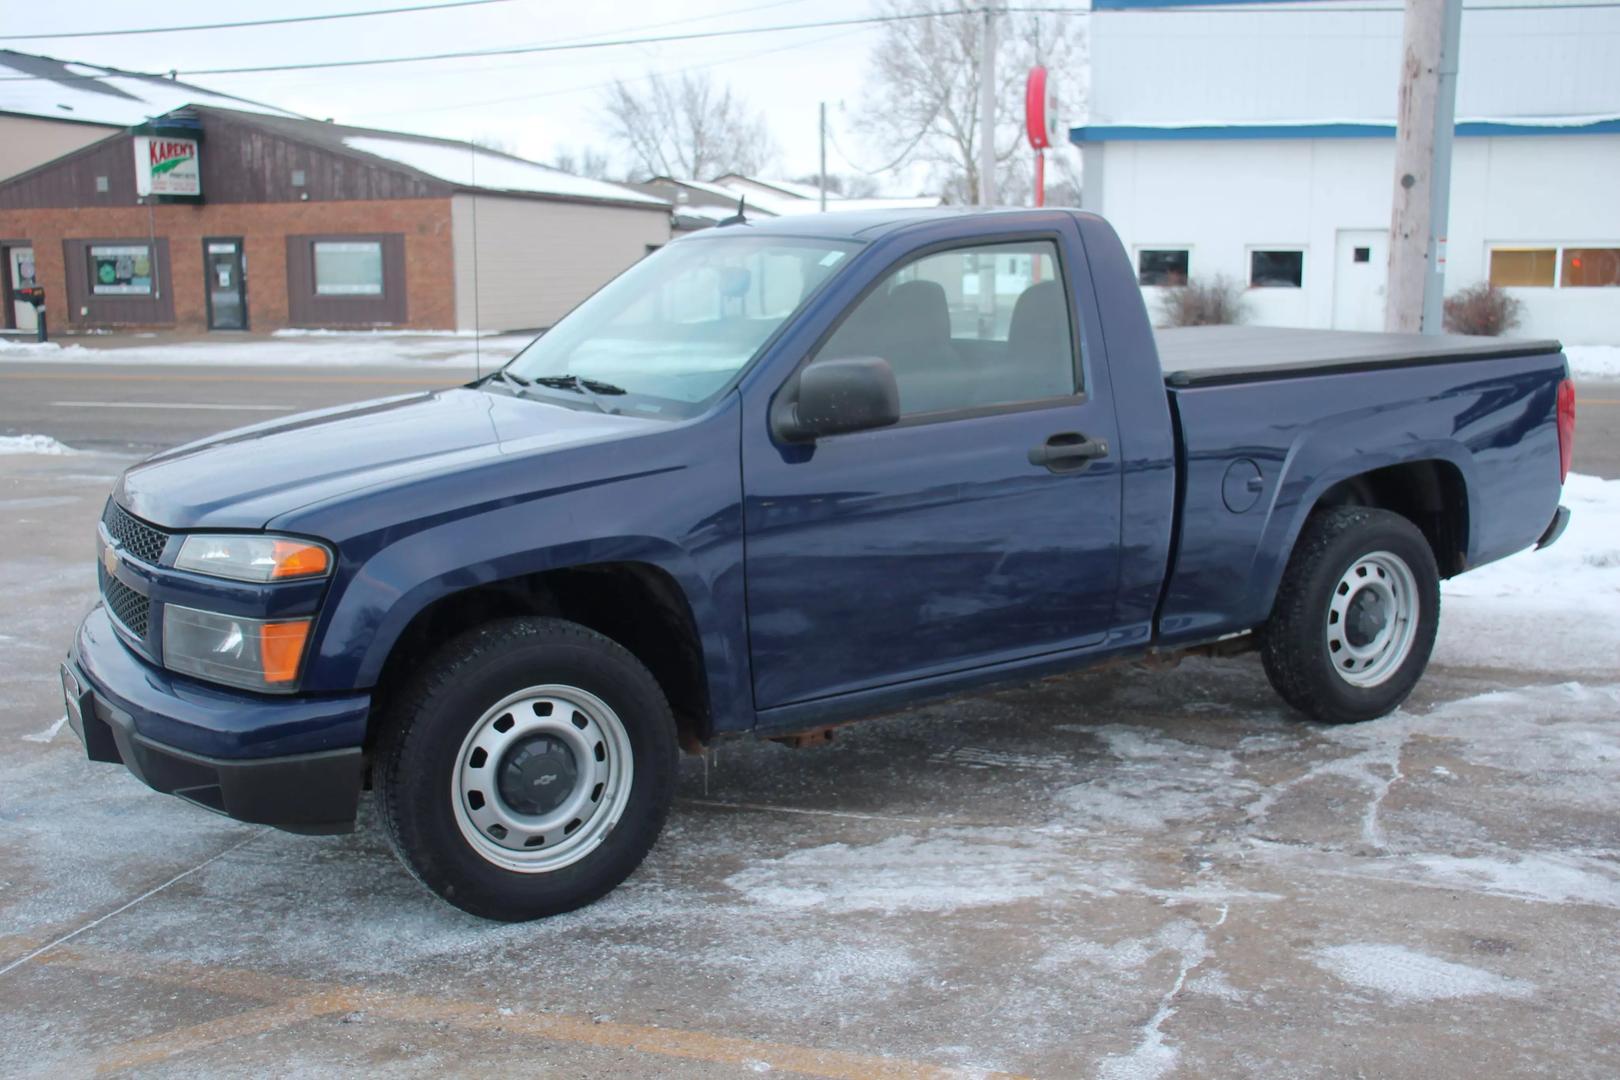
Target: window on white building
1548,267
1276,269
1521,267
1590,267
1162,266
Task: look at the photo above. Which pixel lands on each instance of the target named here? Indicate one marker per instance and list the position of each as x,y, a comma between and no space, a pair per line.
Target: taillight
1566,427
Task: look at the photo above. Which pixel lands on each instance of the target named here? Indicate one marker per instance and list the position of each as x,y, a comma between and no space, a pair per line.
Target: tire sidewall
1380,532
423,806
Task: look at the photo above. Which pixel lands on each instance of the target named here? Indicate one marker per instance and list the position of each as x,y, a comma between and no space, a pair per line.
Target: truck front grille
142,541
130,608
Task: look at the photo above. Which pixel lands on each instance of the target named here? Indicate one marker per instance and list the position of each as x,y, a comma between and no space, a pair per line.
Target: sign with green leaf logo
169,166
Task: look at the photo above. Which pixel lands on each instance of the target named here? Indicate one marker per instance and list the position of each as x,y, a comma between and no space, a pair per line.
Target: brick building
212,218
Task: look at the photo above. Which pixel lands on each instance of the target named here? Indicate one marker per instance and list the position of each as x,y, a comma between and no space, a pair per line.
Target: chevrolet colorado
775,477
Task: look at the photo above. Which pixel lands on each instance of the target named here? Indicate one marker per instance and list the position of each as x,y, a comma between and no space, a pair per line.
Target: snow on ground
1409,976
33,444
1557,609
1593,361
329,348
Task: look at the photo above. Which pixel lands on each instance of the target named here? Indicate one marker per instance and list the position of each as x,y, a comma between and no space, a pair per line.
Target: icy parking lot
1124,874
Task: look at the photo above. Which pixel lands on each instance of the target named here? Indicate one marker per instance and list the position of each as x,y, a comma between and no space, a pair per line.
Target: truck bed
1200,355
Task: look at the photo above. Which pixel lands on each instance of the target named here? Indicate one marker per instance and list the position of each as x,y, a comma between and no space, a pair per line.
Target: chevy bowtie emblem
109,558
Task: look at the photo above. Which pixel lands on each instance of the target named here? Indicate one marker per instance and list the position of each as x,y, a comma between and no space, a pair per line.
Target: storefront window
348,268
120,270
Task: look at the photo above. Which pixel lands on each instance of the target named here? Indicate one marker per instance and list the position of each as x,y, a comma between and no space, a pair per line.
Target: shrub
1482,309
1202,303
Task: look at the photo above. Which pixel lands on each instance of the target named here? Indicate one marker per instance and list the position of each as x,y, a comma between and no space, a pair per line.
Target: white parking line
170,405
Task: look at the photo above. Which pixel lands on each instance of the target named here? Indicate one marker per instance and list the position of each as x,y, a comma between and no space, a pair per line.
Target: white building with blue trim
1255,140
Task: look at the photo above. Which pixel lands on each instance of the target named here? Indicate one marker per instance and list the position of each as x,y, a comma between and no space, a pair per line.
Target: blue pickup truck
776,477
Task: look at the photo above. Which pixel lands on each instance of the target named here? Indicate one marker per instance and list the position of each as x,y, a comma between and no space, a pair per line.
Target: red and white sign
167,166
1036,109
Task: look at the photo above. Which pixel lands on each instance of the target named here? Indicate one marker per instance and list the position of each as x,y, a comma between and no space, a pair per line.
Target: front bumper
294,763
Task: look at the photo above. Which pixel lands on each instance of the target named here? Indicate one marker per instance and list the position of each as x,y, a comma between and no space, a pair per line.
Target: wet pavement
1126,874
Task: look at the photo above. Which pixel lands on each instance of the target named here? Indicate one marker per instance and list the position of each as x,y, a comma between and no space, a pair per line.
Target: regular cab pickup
776,477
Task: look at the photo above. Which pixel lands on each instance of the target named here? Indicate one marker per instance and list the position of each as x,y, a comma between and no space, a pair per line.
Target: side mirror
841,394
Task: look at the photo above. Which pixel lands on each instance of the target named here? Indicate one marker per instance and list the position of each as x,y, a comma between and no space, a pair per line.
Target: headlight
252,653
253,558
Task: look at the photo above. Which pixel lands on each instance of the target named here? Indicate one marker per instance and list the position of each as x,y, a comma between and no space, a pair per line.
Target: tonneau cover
1192,355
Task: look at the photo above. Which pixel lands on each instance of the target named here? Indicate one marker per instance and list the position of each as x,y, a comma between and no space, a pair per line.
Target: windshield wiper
575,382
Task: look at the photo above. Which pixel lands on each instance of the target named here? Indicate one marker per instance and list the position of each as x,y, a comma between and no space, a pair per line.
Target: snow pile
1593,362
470,167
33,444
1407,976
1557,609
15,349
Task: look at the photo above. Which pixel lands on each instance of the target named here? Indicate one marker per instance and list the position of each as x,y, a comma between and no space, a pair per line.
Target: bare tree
922,94
686,126
586,162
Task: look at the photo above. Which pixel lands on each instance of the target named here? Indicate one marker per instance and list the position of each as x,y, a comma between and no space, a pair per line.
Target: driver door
936,545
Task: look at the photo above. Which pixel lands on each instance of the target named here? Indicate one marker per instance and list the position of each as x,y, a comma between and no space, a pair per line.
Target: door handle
1068,451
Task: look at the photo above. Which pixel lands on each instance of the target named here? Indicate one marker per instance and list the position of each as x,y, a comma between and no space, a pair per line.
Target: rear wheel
1355,616
528,769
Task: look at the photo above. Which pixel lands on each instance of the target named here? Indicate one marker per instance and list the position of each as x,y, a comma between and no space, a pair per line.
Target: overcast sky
538,104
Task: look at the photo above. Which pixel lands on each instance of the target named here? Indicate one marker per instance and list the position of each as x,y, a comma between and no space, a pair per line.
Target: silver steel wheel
542,778
1372,619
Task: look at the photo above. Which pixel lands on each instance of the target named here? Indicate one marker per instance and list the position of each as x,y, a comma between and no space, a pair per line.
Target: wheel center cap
1367,616
537,775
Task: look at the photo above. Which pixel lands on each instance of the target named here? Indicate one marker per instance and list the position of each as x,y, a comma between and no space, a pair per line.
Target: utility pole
822,176
1425,124
987,109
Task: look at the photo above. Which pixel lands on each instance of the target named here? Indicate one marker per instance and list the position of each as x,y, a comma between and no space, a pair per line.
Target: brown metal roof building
225,219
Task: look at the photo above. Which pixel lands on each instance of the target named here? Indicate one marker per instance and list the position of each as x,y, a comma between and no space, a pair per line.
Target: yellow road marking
296,1000
168,1044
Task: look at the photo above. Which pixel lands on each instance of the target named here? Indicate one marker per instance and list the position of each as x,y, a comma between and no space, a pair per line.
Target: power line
484,68
252,22
565,47
563,91
1312,7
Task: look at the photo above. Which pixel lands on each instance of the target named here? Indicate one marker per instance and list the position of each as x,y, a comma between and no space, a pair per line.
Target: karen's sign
167,166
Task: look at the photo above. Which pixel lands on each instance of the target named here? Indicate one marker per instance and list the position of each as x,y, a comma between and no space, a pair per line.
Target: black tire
419,751
1295,648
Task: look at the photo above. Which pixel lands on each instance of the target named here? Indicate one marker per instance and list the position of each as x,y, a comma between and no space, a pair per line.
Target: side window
970,327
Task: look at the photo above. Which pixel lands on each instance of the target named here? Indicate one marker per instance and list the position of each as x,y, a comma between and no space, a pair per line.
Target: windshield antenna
478,330
737,218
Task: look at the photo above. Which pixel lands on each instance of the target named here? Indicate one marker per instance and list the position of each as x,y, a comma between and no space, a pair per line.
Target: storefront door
227,291
21,260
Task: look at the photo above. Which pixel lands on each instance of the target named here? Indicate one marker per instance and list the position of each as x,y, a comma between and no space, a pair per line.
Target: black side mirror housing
839,395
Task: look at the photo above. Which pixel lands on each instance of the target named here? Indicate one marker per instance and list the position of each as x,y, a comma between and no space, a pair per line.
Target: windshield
670,333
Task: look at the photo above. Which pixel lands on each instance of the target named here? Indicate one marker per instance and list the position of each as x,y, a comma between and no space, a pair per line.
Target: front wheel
1355,616
528,769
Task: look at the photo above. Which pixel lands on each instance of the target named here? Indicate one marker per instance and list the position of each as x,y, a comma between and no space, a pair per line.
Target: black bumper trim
301,793
1555,528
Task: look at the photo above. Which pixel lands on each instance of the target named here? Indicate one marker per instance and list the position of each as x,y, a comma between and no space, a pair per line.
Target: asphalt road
125,408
